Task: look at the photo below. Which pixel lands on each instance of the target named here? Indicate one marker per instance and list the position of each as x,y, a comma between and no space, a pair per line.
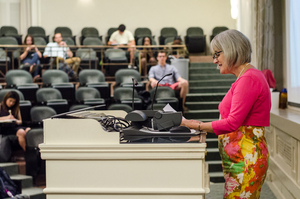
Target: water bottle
283,99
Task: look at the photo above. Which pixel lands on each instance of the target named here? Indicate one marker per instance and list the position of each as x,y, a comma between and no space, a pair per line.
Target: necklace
242,70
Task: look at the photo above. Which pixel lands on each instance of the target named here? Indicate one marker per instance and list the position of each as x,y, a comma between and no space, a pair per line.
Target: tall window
293,50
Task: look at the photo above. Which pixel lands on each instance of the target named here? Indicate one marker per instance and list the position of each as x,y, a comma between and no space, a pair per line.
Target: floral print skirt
245,160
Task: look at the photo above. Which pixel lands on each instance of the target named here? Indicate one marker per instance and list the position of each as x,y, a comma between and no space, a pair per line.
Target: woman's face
10,102
28,41
220,60
147,41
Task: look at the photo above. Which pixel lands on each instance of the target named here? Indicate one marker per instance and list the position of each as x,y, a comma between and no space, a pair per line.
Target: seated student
10,109
147,55
123,37
31,56
60,51
178,52
158,71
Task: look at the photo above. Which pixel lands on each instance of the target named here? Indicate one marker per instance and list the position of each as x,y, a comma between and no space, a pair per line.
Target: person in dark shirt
10,110
31,55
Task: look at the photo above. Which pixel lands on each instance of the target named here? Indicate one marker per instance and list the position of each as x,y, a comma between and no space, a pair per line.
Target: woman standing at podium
10,111
245,111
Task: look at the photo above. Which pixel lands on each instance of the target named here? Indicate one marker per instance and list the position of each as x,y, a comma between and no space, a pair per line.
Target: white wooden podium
84,161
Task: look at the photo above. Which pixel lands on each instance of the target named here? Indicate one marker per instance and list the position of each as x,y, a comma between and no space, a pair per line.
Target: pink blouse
248,102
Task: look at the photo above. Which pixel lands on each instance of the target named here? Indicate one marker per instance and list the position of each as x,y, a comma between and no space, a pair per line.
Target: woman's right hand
10,117
28,49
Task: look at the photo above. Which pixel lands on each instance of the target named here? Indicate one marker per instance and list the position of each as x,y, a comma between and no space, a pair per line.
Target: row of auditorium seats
57,92
194,39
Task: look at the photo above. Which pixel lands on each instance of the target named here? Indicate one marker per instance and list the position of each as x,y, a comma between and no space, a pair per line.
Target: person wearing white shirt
123,37
60,50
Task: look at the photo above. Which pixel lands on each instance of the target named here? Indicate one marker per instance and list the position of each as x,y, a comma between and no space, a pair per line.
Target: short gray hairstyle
235,46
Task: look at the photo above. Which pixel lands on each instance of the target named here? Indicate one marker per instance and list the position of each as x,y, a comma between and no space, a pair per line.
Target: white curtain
264,34
25,16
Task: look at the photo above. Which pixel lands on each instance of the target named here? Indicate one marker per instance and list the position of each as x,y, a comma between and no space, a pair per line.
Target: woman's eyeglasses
216,55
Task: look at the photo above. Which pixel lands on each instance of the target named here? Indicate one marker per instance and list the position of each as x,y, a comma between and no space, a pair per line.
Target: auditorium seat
195,40
96,79
38,32
88,58
39,113
141,33
59,79
79,106
123,107
22,80
217,30
109,32
25,105
165,95
89,32
92,41
157,107
89,96
165,33
7,56
117,56
124,79
10,31
65,33
52,98
124,95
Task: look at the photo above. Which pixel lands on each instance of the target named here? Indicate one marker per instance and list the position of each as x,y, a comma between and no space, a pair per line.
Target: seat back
142,32
162,92
126,75
39,113
89,32
65,31
4,91
92,41
124,93
194,31
8,30
140,41
44,94
36,31
91,76
17,77
69,41
218,29
123,107
34,137
85,93
112,53
8,41
51,76
40,41
86,53
169,40
111,31
168,32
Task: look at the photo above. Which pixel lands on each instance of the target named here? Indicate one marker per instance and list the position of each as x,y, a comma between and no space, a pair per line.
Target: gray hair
235,46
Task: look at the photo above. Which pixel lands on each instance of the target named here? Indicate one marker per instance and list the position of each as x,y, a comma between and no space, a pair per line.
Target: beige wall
154,14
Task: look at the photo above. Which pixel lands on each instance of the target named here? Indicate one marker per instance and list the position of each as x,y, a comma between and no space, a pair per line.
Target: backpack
7,187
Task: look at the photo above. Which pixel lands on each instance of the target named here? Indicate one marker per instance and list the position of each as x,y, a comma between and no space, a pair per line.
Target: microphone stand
156,89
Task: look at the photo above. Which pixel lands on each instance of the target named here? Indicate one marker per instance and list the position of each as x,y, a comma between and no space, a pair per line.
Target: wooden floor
198,58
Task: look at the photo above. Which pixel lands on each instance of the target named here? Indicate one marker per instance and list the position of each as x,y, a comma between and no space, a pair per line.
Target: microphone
156,89
134,83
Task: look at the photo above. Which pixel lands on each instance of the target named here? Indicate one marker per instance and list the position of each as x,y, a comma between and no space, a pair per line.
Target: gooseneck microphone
156,89
134,84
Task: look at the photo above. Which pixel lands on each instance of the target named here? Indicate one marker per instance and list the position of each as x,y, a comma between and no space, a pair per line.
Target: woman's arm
38,52
197,125
19,119
25,53
8,117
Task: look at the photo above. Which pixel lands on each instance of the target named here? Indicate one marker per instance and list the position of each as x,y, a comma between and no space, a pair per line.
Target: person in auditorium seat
245,112
147,55
175,81
178,52
31,56
59,50
10,110
123,37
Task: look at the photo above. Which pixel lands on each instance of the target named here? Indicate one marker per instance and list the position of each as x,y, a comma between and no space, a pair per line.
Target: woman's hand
28,48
